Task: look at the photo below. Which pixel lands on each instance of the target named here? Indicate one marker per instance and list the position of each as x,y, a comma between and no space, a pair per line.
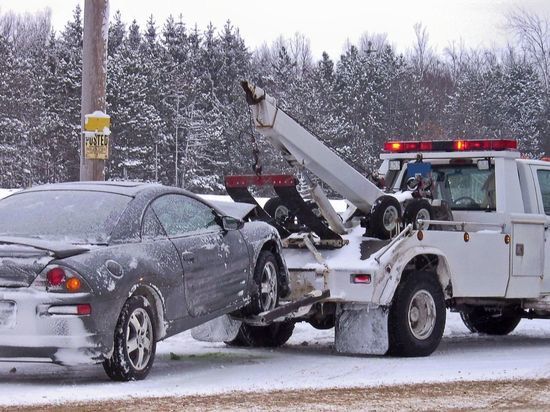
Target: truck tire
277,209
481,320
417,316
418,209
323,322
135,342
384,217
270,336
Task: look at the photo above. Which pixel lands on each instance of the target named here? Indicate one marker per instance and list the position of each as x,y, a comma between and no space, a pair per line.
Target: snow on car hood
234,209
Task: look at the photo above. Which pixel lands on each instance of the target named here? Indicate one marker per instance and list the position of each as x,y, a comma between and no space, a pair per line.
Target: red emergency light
450,146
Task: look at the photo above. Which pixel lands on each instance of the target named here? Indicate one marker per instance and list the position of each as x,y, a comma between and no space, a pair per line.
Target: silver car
101,271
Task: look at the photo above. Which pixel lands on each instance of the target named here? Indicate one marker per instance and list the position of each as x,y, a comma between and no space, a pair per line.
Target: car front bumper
28,331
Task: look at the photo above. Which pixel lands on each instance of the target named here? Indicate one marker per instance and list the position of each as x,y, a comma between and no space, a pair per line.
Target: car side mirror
231,223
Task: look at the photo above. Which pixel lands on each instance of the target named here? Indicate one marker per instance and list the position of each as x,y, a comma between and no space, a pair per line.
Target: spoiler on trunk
58,250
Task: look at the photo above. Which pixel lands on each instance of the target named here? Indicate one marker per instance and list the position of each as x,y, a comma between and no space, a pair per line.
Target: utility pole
176,123
94,76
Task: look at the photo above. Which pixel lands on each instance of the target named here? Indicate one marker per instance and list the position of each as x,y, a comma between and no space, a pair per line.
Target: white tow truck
446,224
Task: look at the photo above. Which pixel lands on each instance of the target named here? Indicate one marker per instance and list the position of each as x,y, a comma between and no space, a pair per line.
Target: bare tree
533,34
300,51
456,56
372,42
422,55
26,31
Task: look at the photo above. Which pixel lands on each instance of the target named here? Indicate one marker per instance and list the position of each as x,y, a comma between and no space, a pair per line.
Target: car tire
270,336
266,280
418,209
134,342
417,316
384,217
480,320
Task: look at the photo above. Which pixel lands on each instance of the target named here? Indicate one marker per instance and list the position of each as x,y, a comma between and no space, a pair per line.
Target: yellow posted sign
96,136
96,122
97,146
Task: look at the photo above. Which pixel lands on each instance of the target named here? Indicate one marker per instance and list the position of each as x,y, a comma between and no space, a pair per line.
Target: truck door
541,175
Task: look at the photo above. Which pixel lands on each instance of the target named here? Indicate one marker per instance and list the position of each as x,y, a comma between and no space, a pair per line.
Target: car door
215,262
164,267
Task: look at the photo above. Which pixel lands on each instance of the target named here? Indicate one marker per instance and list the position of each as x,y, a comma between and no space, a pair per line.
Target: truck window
544,184
465,187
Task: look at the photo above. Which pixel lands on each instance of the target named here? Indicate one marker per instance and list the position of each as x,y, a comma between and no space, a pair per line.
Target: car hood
234,209
22,259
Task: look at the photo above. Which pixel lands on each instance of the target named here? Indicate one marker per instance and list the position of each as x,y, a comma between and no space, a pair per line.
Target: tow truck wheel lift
285,186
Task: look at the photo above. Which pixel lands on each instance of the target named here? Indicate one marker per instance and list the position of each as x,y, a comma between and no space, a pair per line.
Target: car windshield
83,217
465,187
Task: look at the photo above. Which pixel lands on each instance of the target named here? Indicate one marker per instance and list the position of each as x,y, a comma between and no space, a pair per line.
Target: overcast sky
328,24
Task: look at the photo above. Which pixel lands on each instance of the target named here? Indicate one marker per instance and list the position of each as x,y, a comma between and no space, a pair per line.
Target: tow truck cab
500,205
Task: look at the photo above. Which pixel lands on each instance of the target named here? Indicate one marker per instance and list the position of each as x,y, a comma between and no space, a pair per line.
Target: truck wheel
417,316
270,336
277,209
481,320
135,344
384,217
418,209
322,322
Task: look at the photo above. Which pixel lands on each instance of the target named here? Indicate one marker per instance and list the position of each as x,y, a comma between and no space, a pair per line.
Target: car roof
123,188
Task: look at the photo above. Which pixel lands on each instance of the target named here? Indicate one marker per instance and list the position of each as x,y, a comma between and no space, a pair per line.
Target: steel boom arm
301,147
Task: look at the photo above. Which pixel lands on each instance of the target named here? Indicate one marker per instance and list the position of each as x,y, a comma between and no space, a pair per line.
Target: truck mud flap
361,330
293,200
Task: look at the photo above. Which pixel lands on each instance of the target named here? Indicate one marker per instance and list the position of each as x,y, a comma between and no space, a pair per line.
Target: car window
180,214
544,184
150,225
76,216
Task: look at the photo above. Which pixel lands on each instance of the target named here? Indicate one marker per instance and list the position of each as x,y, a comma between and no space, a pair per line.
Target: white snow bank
7,192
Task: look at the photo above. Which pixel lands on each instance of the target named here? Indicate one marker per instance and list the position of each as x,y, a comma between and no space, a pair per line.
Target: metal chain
256,166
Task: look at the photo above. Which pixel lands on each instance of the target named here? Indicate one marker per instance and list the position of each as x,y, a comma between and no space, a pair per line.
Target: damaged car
101,271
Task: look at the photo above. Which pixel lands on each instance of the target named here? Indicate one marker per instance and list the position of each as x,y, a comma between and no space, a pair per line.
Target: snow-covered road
185,366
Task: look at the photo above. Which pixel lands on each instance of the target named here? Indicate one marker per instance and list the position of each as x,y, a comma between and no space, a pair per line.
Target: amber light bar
450,146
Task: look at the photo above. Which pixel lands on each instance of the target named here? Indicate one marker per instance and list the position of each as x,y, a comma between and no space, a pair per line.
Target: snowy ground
6,192
188,367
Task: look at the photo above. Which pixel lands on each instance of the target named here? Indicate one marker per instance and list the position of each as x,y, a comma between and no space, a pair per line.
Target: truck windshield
81,217
465,187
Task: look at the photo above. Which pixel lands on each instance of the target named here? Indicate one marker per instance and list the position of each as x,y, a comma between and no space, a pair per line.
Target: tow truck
457,224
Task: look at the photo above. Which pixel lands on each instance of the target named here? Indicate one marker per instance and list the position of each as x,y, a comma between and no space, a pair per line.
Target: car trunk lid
21,259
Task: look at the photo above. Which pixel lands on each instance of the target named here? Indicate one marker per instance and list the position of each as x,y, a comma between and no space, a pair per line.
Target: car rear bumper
29,331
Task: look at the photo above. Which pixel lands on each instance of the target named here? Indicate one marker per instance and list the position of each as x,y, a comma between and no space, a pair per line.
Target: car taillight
84,309
61,279
55,276
73,284
80,309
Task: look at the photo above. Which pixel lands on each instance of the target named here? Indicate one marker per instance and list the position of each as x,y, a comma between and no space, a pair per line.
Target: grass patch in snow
216,356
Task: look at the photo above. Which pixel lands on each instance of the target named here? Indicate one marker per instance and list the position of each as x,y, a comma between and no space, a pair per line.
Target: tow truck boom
302,149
